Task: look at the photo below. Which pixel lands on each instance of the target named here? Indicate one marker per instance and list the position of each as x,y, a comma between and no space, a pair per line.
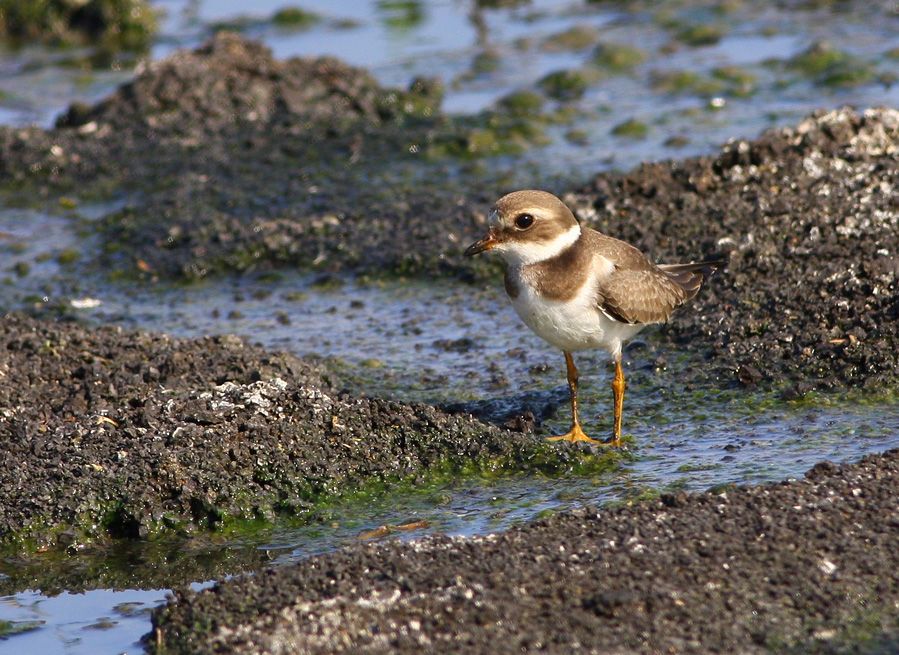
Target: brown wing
640,296
638,291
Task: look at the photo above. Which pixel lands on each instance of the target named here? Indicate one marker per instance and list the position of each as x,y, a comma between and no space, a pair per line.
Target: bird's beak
487,243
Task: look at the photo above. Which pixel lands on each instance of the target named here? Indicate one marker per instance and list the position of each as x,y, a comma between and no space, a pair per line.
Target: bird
580,289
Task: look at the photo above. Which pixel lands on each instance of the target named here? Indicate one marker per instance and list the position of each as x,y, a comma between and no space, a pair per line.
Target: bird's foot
577,434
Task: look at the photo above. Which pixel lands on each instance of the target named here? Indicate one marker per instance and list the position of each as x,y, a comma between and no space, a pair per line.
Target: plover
579,289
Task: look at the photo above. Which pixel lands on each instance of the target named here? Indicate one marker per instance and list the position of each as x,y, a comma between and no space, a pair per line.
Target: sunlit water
99,621
402,339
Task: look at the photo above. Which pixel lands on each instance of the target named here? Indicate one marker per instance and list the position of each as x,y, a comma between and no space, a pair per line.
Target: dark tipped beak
486,243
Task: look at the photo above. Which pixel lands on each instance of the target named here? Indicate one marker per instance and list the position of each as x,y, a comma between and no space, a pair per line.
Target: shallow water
99,621
407,340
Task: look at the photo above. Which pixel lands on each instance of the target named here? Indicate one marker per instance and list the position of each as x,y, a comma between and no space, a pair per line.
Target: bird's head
526,227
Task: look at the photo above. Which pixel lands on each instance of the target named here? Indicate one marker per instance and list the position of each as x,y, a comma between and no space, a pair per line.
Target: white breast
574,324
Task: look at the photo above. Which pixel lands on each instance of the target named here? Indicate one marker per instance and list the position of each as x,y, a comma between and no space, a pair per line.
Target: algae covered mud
183,203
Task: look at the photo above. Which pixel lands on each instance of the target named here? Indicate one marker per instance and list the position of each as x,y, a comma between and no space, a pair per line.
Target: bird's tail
690,277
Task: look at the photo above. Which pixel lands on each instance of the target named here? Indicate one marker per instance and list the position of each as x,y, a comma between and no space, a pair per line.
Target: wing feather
638,291
640,296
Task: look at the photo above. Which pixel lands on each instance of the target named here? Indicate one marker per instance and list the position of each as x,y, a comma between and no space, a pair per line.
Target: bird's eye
524,221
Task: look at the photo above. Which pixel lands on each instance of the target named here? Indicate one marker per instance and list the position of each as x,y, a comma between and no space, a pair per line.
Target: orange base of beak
487,243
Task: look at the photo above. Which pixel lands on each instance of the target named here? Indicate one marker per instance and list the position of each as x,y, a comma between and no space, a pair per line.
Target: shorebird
579,289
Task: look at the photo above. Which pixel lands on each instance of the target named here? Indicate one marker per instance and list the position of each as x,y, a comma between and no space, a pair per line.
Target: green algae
616,58
484,62
565,85
168,562
514,127
236,24
739,82
755,401
12,628
676,141
680,82
522,103
401,15
631,129
818,59
730,81
249,515
690,467
481,142
294,18
577,137
828,66
700,34
68,257
285,19
111,25
579,37
544,461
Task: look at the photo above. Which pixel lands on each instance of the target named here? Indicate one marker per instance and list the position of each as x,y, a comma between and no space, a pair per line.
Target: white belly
576,324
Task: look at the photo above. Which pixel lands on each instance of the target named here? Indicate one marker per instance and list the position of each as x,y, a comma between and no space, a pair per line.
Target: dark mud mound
810,565
130,434
810,218
231,81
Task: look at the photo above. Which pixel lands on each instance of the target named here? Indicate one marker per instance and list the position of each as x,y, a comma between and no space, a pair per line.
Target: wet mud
799,566
129,434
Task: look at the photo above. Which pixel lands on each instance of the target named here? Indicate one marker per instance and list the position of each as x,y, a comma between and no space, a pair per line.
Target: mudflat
806,565
119,433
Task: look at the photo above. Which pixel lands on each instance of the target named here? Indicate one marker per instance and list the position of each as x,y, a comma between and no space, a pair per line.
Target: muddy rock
808,565
128,434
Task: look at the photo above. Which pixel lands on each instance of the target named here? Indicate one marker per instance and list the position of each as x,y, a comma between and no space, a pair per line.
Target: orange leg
618,392
575,433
